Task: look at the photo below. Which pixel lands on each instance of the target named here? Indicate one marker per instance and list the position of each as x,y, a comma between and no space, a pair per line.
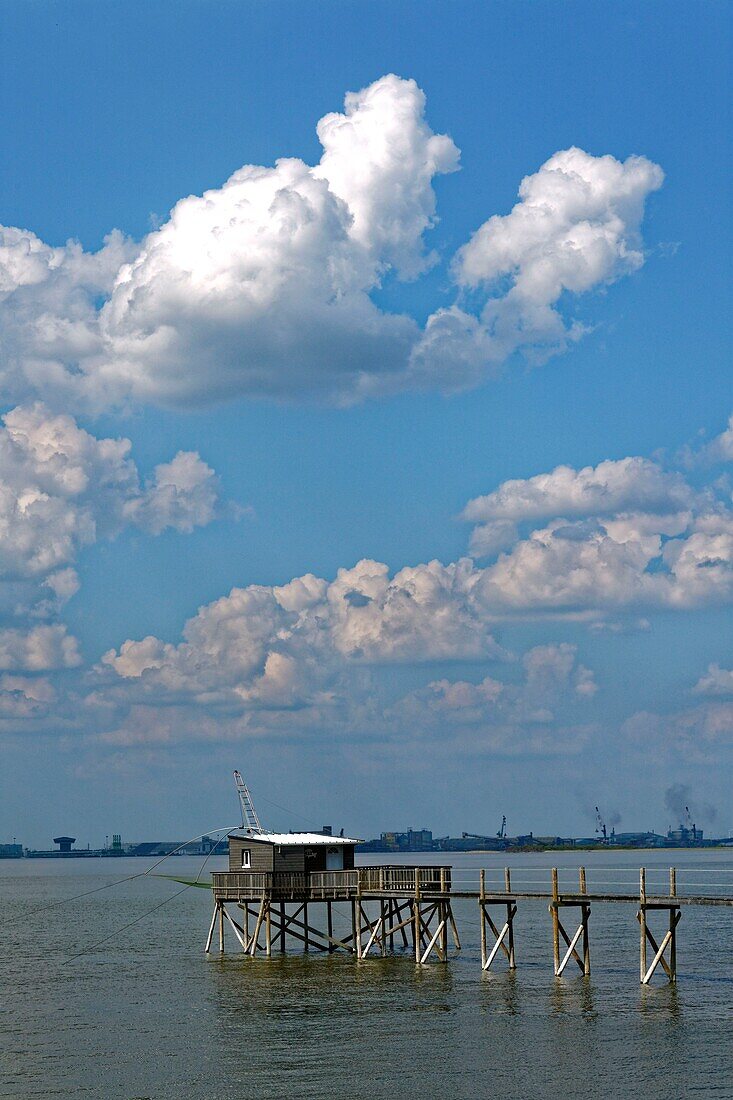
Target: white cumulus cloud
575,227
62,489
265,285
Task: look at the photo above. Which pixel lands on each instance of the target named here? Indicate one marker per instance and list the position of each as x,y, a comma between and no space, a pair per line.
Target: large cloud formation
600,544
368,652
263,287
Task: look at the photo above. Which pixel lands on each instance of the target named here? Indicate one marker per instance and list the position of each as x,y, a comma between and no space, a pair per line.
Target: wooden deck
399,881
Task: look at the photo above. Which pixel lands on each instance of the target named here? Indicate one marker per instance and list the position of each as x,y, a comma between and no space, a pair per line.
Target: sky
366,416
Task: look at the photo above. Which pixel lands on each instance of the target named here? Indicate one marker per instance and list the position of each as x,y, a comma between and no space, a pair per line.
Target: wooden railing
256,884
333,884
404,880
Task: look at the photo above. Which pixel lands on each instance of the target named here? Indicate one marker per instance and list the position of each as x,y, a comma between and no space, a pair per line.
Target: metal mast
250,820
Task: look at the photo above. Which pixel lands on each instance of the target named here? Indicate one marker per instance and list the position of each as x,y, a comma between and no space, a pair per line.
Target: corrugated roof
294,839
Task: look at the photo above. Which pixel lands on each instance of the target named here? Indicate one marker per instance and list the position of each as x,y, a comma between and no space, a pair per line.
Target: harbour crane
601,831
690,824
250,820
502,831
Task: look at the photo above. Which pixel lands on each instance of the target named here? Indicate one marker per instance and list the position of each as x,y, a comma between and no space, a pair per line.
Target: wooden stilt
642,923
221,927
444,905
258,924
210,936
329,924
674,917
482,911
282,927
555,921
305,918
511,910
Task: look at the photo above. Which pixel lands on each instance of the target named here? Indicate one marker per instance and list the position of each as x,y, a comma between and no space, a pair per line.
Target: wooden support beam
235,928
555,920
221,927
481,896
642,923
258,924
585,914
669,940
433,944
574,953
307,937
210,936
500,934
674,919
570,951
655,947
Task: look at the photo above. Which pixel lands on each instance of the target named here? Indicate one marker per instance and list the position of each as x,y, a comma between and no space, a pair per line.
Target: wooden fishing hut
277,882
286,884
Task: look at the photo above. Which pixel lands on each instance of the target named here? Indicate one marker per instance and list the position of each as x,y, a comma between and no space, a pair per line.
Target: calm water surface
146,1014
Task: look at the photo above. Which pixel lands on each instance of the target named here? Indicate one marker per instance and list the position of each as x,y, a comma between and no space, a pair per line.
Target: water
146,1014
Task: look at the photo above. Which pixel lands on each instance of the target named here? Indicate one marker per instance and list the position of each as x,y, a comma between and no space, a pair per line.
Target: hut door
334,859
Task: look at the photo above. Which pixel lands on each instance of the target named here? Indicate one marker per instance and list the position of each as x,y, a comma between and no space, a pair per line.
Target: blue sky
111,115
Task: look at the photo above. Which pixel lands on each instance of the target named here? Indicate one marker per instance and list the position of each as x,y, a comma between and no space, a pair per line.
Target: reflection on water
502,992
572,996
146,1014
660,1002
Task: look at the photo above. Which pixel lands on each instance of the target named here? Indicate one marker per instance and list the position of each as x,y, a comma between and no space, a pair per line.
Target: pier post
481,898
585,913
221,927
510,918
210,936
416,916
329,927
642,923
555,920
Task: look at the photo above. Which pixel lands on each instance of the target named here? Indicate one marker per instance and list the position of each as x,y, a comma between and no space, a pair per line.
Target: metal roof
294,839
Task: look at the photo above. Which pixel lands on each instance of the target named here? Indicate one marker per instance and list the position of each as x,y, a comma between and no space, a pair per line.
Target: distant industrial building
413,840
11,851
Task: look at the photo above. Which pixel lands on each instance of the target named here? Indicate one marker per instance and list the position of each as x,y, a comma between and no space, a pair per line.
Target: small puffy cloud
40,649
265,286
716,681
575,227
628,484
625,534
62,489
182,494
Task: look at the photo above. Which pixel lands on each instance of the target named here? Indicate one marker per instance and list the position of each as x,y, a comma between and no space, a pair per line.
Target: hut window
246,857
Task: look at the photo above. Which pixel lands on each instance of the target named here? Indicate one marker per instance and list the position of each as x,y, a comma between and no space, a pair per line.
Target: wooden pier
413,905
277,882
